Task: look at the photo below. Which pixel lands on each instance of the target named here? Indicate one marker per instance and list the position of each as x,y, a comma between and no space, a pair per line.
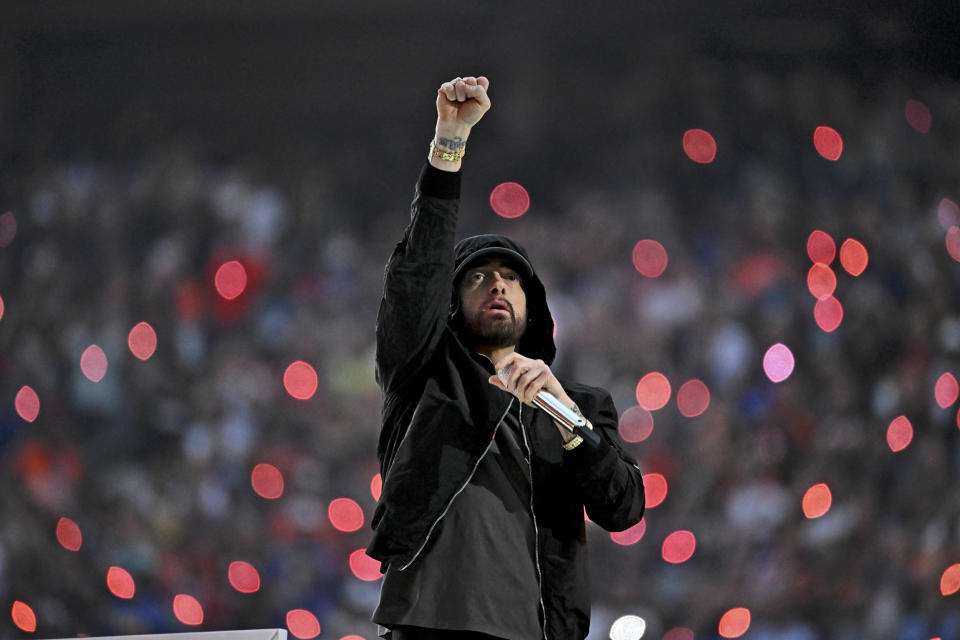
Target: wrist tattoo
456,144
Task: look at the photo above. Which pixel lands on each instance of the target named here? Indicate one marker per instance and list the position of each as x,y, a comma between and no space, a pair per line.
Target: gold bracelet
449,156
577,440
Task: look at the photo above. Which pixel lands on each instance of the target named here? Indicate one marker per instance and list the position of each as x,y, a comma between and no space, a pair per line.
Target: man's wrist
448,147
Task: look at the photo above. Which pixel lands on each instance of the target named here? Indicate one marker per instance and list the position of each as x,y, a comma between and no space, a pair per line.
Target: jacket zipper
536,531
459,491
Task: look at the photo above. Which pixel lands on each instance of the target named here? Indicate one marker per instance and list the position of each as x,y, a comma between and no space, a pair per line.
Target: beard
496,332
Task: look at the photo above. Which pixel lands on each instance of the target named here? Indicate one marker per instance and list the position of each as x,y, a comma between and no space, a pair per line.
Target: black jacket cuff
439,184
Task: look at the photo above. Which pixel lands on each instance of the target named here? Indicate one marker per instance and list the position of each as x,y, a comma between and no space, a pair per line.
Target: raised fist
461,102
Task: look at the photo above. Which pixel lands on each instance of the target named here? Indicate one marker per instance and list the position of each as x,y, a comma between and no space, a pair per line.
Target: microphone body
561,413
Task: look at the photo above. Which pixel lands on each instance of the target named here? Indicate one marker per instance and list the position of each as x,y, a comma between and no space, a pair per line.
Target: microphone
561,413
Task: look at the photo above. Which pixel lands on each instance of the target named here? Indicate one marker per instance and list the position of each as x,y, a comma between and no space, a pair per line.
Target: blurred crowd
153,462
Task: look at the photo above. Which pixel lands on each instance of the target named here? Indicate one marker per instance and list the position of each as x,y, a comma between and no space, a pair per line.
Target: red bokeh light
364,567
300,380
142,340
950,580
243,577
946,390
69,535
630,535
352,637
230,279
678,633
948,214
953,242
699,146
636,424
376,486
23,616
8,228
821,247
828,143
821,281
653,391
899,434
93,363
778,362
918,115
27,403
509,200
303,624
187,609
1,308
650,258
678,547
654,489
854,256
693,398
267,481
345,515
817,500
735,622
828,313
120,583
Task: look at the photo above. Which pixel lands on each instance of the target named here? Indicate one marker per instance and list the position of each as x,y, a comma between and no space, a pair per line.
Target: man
480,527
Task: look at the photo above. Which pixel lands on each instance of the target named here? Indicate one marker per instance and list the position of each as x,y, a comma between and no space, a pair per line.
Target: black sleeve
417,280
609,480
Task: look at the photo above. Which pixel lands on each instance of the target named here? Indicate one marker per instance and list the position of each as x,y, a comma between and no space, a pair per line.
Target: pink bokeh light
630,535
27,403
93,363
700,146
653,391
142,340
828,143
778,362
828,313
345,515
679,546
650,258
120,583
303,624
821,247
187,609
636,424
300,380
734,622
267,481
509,200
69,535
243,576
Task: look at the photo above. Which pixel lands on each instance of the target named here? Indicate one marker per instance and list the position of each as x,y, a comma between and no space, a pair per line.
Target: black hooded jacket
440,414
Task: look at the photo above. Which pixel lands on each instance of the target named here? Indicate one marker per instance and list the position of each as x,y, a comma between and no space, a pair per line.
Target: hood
537,342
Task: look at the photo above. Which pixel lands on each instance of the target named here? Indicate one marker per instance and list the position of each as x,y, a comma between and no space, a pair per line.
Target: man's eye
513,276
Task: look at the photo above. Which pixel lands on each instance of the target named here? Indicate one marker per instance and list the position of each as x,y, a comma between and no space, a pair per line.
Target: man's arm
417,281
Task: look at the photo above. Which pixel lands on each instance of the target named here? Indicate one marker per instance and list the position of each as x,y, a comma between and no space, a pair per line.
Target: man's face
493,303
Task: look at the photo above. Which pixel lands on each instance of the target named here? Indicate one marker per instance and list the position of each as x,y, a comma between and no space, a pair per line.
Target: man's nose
497,283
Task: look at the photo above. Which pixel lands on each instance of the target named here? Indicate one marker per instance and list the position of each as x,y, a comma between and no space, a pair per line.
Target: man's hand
460,105
462,102
527,377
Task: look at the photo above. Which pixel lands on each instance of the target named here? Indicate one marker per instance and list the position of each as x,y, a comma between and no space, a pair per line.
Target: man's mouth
499,306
